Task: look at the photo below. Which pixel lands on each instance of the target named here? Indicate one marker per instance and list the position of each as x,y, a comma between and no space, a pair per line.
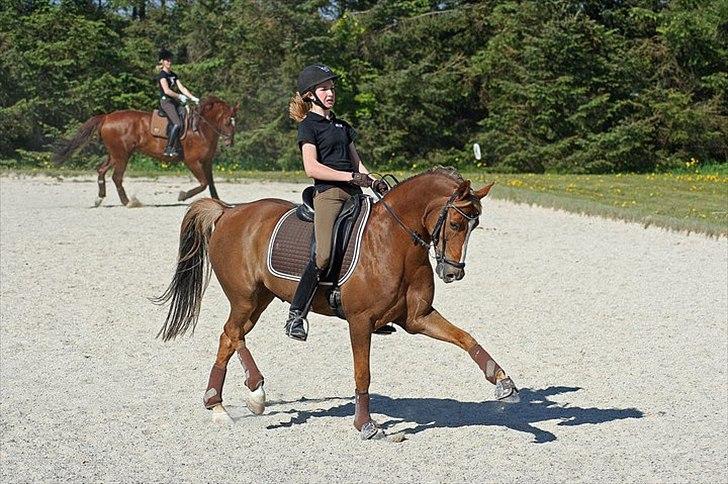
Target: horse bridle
437,231
214,128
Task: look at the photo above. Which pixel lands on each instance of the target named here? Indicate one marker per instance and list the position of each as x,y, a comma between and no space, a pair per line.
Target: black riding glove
361,180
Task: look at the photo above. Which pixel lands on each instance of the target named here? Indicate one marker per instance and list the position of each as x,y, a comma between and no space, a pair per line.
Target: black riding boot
171,149
297,324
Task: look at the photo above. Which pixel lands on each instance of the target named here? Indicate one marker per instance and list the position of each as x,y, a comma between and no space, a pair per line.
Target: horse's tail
82,137
193,268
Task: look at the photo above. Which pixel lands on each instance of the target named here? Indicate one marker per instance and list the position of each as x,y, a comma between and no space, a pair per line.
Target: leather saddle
160,124
290,250
288,256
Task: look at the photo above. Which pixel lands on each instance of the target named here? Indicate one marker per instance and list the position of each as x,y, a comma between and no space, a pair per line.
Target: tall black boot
297,324
171,149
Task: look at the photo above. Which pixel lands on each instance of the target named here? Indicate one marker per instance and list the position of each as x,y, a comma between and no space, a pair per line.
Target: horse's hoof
506,391
134,203
98,201
182,196
256,401
370,431
220,415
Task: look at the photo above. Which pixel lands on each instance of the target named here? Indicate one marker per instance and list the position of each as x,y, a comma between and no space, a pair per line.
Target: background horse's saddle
160,124
289,250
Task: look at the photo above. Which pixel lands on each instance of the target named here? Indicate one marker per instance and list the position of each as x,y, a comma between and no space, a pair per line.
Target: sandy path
617,335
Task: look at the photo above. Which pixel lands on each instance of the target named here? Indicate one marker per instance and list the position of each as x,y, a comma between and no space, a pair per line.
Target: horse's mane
211,100
446,171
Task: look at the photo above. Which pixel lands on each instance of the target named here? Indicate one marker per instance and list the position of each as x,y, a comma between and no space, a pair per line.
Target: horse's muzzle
448,273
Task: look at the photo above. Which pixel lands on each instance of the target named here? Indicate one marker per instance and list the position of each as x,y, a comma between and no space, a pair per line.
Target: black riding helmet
313,75
164,54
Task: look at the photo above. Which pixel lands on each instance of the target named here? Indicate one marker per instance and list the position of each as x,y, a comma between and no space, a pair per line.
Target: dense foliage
542,85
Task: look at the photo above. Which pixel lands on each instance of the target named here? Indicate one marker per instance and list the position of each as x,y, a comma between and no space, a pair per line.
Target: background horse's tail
82,137
193,270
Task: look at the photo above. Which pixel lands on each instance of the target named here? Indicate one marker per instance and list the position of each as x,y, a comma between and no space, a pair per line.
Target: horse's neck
206,129
410,204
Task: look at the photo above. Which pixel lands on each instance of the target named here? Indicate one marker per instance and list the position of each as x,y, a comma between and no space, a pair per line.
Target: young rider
330,158
172,95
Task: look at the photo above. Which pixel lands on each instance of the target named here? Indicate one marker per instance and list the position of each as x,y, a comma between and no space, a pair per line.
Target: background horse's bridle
437,231
214,128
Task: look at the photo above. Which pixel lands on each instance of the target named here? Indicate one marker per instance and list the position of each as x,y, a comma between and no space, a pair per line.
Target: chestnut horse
393,280
124,132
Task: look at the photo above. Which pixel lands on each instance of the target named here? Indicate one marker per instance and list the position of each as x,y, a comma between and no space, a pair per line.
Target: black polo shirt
332,138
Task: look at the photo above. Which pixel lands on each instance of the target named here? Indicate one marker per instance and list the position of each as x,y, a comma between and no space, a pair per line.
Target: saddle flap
160,122
341,234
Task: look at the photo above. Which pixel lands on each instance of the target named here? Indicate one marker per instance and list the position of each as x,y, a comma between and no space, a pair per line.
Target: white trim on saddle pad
366,207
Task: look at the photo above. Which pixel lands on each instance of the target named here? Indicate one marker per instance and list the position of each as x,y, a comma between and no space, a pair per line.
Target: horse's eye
454,225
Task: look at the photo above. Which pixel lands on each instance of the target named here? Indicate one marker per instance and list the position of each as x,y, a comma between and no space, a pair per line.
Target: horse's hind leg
241,321
101,169
434,325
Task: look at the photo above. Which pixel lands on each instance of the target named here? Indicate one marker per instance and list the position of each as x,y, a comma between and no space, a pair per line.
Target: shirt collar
322,119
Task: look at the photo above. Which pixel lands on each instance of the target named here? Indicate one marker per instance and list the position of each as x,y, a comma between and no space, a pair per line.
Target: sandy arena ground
616,334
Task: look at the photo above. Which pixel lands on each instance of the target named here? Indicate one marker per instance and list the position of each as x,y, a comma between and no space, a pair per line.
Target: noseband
437,231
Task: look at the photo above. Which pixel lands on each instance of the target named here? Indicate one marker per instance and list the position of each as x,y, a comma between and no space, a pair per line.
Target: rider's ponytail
298,108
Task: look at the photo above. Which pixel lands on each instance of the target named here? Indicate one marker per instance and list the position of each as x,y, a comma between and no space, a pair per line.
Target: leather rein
437,231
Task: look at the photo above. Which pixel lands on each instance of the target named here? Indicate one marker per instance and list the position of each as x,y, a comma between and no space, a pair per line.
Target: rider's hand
183,99
380,186
361,180
195,100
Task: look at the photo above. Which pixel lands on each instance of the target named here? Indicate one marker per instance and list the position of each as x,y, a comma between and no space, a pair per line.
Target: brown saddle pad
158,126
289,249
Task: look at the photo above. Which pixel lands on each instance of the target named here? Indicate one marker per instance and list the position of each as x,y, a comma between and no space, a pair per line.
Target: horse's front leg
196,169
361,339
433,324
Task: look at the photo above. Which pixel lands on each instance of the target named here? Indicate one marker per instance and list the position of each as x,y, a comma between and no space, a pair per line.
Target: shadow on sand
430,413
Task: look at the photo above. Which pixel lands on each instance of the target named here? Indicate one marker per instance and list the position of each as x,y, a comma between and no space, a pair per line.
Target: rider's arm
356,160
316,170
184,90
167,91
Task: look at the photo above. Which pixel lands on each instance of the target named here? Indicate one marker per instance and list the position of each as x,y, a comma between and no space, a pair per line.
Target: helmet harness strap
316,99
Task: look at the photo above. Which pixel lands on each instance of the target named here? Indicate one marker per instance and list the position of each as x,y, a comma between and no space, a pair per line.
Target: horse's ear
237,106
484,191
